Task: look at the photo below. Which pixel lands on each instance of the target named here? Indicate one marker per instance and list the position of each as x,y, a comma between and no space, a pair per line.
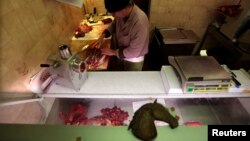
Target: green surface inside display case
22,132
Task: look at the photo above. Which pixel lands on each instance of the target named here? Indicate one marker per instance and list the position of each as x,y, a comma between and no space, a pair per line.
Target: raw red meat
82,30
94,57
110,116
107,21
77,113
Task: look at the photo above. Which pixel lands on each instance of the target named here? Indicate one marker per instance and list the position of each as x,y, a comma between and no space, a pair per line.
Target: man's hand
98,42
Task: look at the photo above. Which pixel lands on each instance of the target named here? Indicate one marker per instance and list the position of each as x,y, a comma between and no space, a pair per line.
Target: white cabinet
143,84
123,89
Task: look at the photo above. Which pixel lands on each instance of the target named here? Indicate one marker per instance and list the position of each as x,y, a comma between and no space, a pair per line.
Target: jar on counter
64,52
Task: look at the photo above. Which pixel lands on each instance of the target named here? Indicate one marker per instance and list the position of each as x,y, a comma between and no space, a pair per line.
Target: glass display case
195,116
205,111
108,96
130,90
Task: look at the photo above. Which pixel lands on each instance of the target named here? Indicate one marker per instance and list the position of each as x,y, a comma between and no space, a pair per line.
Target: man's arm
139,42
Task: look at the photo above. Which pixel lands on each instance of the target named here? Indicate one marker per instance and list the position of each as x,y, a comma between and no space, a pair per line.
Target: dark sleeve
120,54
106,33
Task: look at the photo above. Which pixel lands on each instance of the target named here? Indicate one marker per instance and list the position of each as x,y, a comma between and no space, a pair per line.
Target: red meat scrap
76,114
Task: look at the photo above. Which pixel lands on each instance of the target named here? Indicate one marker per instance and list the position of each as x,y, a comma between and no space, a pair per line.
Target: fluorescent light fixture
77,3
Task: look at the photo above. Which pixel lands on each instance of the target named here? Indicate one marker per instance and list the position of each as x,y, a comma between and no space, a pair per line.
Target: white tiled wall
30,30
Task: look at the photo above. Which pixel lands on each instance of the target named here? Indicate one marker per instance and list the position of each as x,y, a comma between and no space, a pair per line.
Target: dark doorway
144,5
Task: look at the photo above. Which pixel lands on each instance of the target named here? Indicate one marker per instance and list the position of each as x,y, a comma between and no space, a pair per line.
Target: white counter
143,84
114,85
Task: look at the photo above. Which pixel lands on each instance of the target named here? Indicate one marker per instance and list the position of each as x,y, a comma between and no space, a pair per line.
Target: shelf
209,95
114,85
144,84
8,99
204,111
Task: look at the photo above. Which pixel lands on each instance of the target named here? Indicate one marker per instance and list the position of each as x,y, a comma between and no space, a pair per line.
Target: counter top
114,85
97,28
94,34
143,84
12,132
